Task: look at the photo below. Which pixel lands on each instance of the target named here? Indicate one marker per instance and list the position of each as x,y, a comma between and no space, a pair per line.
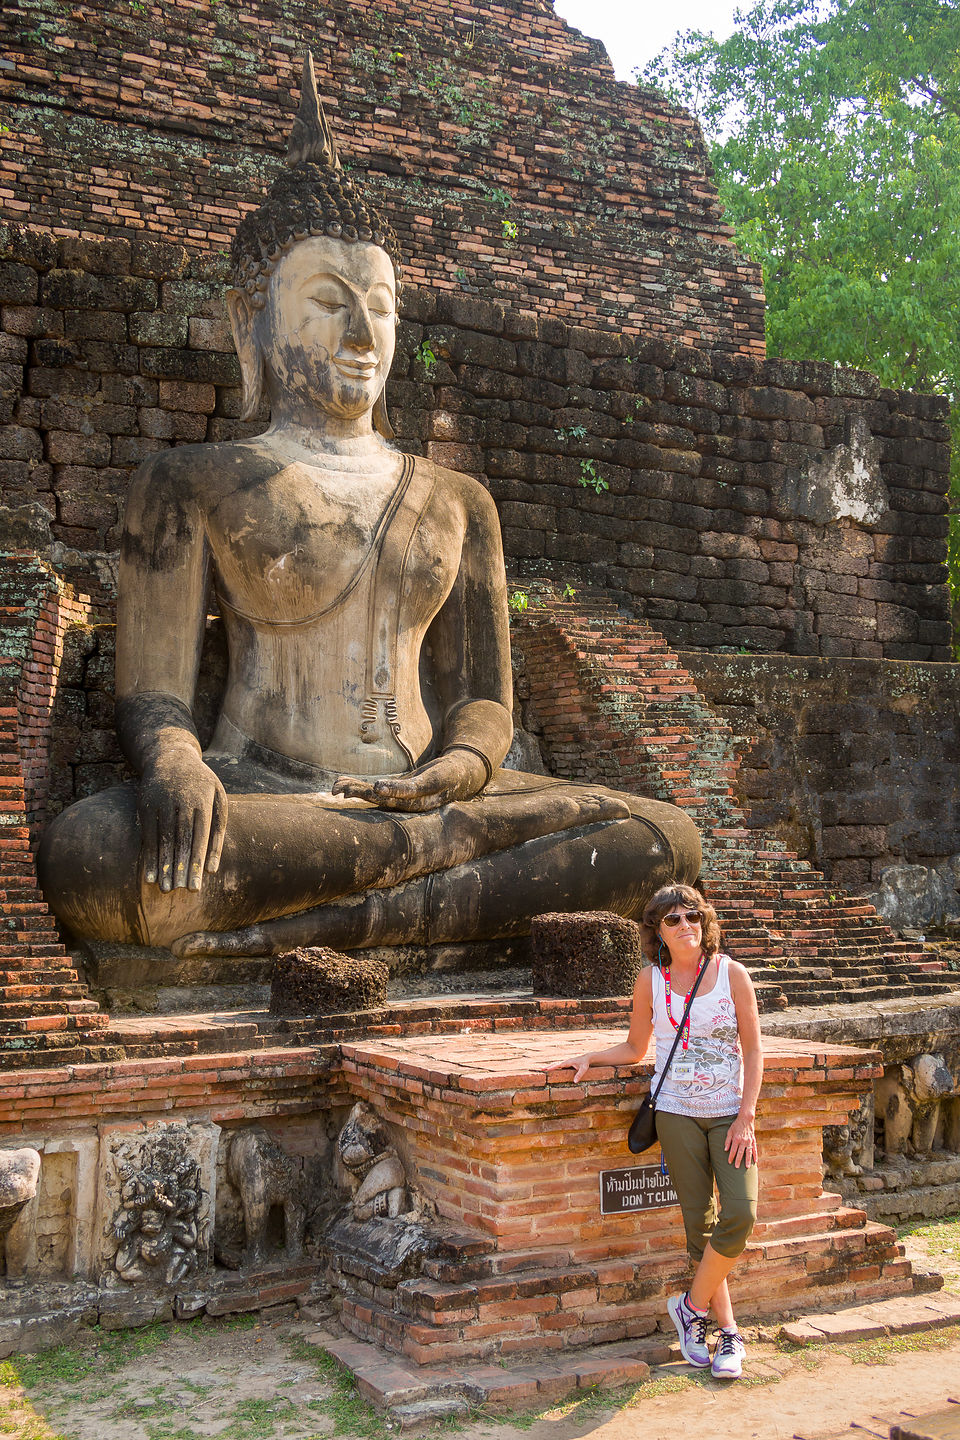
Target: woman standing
706,1107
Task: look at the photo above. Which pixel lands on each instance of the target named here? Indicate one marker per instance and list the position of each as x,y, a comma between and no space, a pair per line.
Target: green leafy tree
834,128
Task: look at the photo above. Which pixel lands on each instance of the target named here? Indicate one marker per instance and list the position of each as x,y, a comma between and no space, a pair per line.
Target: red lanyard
675,1023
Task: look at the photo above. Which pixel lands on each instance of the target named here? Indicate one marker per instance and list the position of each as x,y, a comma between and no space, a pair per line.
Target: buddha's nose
359,334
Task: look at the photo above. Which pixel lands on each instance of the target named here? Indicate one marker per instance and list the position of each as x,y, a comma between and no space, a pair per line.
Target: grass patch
18,1419
939,1237
259,1419
111,1350
886,1349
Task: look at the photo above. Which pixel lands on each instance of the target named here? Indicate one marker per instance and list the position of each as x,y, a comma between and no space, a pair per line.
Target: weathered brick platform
513,1157
506,1157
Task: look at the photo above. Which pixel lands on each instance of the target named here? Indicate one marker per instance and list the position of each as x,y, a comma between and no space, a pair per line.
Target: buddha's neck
326,437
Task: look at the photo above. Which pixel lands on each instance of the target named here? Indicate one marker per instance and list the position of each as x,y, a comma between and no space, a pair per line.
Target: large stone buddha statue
352,794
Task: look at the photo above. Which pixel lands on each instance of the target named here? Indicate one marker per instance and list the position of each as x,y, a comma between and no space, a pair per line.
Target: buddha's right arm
160,618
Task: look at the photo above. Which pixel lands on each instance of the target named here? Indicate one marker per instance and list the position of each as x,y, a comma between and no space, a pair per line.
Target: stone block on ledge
592,952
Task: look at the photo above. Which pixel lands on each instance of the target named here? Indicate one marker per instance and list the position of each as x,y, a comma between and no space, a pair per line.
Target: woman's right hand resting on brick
630,1051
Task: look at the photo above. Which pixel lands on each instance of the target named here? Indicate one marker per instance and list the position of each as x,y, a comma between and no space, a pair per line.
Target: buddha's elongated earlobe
381,420
248,352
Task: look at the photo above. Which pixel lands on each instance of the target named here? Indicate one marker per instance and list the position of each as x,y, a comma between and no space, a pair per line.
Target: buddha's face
328,330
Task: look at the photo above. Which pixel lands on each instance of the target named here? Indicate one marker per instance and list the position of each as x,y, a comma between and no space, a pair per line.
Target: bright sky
634,31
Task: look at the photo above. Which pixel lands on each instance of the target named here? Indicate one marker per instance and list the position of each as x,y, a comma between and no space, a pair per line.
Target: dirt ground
243,1379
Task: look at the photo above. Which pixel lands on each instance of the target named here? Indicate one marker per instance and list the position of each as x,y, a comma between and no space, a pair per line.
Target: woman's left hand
741,1143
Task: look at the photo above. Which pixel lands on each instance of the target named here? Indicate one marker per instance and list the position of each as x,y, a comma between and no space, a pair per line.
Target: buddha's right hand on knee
182,809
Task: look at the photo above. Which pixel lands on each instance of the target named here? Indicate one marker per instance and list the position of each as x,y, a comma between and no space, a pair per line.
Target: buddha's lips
356,369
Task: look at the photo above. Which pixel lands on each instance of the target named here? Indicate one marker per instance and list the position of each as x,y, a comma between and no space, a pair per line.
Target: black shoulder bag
643,1126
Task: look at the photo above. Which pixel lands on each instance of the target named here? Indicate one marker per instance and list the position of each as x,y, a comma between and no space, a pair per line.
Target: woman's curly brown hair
668,898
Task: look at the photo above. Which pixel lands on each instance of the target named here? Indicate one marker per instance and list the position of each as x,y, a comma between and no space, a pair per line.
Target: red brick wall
514,166
37,693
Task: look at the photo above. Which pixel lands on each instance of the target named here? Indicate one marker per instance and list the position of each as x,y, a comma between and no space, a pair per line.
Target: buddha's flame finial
311,138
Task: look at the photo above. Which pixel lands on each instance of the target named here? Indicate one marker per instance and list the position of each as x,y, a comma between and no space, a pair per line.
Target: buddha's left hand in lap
455,775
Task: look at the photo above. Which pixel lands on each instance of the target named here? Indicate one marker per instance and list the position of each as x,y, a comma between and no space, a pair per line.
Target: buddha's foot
223,943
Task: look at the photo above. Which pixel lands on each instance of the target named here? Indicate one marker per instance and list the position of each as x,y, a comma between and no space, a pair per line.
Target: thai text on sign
642,1187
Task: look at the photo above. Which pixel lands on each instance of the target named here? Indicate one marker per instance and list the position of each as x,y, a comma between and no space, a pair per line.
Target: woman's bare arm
741,1141
630,1051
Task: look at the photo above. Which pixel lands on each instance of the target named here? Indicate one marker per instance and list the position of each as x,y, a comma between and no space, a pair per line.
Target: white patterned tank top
707,1078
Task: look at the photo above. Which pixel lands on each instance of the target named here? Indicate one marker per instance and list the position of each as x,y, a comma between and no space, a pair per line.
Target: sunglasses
692,917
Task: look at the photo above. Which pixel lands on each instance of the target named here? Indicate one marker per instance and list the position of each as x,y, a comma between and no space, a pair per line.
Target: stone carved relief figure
265,1176
352,794
919,1105
373,1165
158,1222
19,1181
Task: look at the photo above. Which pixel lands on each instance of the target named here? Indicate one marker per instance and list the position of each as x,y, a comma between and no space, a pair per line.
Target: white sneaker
728,1356
692,1329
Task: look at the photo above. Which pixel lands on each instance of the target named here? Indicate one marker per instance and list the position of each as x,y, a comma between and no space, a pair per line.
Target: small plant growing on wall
424,353
510,230
499,196
590,477
518,602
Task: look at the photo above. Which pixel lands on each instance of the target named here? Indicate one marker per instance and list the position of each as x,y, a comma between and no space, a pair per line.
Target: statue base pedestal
130,979
142,979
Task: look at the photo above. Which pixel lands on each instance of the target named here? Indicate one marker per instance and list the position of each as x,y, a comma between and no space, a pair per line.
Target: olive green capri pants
692,1146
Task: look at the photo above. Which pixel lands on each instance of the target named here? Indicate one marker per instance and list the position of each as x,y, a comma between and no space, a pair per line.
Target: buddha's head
313,305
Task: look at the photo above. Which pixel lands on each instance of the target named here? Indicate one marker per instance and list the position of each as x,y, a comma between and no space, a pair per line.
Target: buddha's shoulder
455,485
203,473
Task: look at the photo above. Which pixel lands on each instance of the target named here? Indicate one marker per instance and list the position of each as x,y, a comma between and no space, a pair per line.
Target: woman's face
681,930
328,331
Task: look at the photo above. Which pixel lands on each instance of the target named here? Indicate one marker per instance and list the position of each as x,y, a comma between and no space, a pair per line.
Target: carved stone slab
156,1200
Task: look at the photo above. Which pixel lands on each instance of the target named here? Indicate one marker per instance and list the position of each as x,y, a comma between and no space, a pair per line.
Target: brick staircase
46,1016
615,706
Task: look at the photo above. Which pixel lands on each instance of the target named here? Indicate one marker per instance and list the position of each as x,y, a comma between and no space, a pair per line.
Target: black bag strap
676,1040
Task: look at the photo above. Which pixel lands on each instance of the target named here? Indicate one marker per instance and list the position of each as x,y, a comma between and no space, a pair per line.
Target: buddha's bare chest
290,547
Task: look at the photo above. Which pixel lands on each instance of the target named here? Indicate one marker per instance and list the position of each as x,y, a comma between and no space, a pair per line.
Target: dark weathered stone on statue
352,793
318,981
591,953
